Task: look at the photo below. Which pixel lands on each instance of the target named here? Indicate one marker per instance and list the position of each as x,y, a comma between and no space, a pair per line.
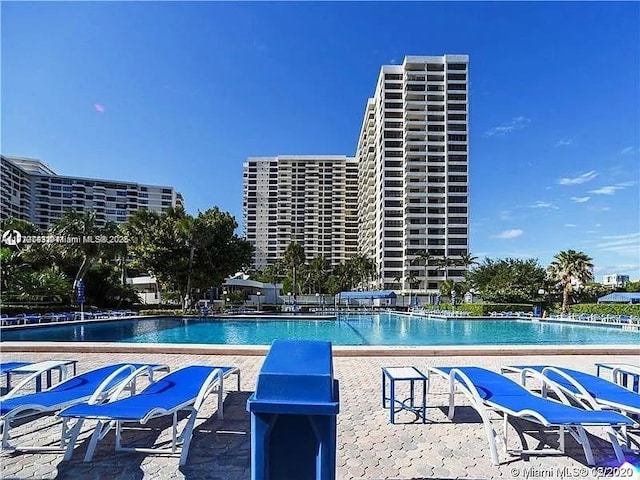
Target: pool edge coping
338,350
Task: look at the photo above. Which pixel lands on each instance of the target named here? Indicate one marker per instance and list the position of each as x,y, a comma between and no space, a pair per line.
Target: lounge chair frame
458,379
100,394
181,440
582,397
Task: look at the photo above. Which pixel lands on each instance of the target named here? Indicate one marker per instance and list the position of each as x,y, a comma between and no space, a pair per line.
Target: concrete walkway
369,447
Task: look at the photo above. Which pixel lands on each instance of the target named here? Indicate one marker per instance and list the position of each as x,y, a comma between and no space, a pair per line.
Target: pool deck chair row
490,391
183,390
93,387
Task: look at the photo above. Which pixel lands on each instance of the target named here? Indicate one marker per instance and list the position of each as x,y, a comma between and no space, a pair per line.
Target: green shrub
606,308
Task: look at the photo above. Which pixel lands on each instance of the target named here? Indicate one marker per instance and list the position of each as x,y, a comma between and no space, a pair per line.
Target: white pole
82,312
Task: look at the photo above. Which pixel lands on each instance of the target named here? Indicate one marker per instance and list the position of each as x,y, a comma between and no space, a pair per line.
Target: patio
369,447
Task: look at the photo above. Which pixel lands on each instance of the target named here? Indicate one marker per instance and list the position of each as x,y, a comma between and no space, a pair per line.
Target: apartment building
413,185
306,199
30,190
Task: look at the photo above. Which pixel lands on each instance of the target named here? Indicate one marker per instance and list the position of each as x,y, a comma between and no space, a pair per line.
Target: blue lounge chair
182,390
93,386
490,391
590,391
595,393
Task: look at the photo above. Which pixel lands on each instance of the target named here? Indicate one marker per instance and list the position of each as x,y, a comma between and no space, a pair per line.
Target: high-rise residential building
413,157
304,199
30,190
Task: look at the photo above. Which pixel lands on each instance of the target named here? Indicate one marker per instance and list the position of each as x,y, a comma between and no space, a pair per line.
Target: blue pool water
381,329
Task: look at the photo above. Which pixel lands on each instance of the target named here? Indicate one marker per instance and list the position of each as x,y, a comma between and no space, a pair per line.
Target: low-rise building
615,280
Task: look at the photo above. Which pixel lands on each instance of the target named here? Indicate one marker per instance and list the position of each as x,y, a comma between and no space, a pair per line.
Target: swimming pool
381,329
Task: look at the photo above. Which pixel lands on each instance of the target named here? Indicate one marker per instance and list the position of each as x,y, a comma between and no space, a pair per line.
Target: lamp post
317,299
224,299
403,294
258,293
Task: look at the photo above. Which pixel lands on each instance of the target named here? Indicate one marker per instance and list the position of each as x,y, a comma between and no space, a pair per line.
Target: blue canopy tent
620,297
382,297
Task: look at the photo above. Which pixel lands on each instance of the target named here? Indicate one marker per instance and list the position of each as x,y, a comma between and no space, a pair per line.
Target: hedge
484,309
606,308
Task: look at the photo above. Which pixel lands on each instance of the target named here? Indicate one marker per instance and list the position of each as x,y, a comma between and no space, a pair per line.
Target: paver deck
369,447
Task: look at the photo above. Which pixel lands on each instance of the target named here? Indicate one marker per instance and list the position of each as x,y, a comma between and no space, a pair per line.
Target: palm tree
397,280
187,231
318,268
83,225
569,268
443,263
272,274
412,280
422,258
467,260
363,269
294,258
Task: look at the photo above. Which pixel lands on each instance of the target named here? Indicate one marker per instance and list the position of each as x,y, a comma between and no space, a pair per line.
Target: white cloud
628,150
563,142
608,190
627,245
505,215
626,268
541,204
585,177
507,234
580,199
516,123
570,225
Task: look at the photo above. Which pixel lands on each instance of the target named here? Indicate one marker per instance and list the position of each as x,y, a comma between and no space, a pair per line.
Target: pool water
380,329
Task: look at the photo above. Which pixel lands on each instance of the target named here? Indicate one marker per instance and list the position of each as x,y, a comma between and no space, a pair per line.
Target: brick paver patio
369,447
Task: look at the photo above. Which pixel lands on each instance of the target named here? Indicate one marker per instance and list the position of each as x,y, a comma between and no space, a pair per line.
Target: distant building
146,288
615,280
306,199
254,291
30,190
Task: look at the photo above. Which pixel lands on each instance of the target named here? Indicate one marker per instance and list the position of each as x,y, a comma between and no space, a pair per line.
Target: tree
271,274
443,263
507,280
467,260
570,269
318,269
632,286
362,268
84,226
186,253
423,258
294,258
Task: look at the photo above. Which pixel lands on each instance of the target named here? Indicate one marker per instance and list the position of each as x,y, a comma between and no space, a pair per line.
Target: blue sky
182,93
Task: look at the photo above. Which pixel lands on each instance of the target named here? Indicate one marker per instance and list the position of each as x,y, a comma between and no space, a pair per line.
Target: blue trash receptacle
293,413
537,311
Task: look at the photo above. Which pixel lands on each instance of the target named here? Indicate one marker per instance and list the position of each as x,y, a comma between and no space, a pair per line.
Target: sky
180,94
